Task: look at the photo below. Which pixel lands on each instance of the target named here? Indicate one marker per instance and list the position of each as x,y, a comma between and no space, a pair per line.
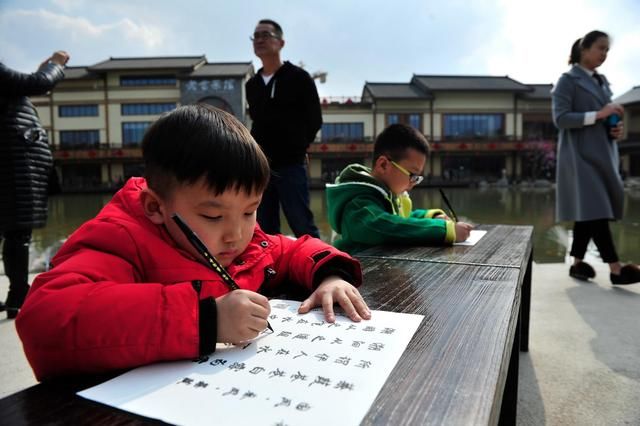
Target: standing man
285,109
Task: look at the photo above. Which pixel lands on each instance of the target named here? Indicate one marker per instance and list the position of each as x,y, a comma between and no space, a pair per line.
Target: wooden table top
502,245
453,370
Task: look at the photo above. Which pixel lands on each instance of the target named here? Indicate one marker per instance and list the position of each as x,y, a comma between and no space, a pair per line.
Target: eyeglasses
414,179
263,34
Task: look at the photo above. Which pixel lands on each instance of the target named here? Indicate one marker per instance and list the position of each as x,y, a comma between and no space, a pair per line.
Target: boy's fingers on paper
305,306
327,307
360,304
345,301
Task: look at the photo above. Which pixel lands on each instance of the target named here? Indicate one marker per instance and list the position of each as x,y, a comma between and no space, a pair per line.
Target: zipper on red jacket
197,286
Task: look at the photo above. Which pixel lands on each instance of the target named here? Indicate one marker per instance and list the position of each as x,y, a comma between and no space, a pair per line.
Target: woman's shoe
582,271
12,312
629,274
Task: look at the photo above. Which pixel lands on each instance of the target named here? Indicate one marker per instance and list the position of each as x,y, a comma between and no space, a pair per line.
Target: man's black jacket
286,114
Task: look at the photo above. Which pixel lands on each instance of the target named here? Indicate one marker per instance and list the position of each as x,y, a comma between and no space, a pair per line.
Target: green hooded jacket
366,213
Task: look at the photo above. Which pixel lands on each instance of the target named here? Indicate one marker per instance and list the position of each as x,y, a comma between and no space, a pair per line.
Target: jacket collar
584,80
283,68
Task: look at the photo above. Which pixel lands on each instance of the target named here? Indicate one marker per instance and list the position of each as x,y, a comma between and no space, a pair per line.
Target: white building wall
473,102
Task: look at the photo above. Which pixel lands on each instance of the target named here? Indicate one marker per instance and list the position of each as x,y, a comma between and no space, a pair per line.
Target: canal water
514,206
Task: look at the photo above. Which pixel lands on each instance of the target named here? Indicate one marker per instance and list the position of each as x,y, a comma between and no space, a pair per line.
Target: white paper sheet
308,372
474,237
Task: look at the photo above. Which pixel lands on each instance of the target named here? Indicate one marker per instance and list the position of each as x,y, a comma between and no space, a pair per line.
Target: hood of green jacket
355,179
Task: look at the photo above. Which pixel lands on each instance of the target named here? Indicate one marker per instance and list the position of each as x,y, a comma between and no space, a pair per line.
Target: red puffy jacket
120,292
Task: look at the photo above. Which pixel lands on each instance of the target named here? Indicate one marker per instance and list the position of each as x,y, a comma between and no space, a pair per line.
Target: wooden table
504,246
461,367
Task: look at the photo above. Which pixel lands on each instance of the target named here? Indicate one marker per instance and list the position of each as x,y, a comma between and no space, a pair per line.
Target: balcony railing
341,100
328,148
103,151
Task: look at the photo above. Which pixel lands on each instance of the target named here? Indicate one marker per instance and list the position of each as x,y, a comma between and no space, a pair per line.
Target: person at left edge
128,289
26,166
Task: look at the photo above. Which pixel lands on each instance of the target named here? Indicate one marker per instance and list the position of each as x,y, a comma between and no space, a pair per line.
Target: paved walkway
583,366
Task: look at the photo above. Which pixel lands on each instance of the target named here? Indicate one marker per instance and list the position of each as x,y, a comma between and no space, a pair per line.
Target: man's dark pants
288,187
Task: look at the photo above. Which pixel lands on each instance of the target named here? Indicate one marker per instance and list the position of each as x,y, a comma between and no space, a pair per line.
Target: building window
538,127
132,133
79,139
539,131
76,176
147,108
473,126
413,120
342,132
156,80
78,110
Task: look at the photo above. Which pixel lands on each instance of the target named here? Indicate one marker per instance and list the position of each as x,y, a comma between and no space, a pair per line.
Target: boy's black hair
394,141
200,141
275,25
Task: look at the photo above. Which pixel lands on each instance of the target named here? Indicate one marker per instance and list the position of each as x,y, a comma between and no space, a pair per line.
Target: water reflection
491,205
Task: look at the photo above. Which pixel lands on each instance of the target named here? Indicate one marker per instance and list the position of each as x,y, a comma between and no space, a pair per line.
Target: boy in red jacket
128,289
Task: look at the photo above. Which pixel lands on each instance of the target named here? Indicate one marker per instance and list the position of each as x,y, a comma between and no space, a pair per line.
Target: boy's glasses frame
413,178
263,34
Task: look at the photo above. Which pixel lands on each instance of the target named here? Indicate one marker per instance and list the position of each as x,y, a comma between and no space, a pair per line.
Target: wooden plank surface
453,371
455,367
503,245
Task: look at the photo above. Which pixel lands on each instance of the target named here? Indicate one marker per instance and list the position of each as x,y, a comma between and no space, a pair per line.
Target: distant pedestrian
589,188
285,110
26,166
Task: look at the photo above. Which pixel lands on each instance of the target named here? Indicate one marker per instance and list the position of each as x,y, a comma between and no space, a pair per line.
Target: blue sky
354,41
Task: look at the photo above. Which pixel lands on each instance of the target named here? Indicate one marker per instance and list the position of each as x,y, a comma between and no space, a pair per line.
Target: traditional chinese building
97,115
480,127
630,144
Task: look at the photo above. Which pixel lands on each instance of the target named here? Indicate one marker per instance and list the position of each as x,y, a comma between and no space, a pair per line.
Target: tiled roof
540,91
222,69
395,91
630,97
468,83
77,73
180,62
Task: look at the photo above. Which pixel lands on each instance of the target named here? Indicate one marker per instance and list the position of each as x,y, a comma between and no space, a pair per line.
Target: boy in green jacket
371,206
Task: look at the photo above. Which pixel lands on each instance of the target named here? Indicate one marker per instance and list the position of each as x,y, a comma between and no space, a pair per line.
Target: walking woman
589,189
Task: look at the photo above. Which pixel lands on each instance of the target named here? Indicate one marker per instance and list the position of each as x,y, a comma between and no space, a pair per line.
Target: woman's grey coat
25,155
589,186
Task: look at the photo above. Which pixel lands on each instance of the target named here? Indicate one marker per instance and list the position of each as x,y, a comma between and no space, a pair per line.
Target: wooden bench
461,367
